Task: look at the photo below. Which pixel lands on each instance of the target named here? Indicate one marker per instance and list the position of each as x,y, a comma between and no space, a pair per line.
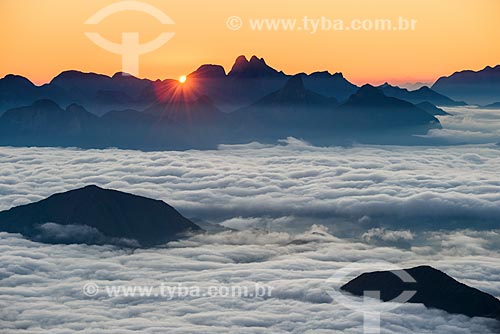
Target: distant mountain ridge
368,116
253,101
246,82
423,94
185,121
475,87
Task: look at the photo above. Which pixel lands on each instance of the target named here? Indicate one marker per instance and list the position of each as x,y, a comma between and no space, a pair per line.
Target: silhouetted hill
208,71
248,81
253,69
433,288
331,85
369,109
423,94
474,87
295,94
367,116
101,93
291,111
44,123
95,215
96,92
18,91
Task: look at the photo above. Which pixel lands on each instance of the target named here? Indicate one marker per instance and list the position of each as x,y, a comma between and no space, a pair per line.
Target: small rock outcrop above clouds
94,215
432,287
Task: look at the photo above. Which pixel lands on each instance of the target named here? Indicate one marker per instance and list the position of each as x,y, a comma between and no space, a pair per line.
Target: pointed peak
241,60
255,68
258,60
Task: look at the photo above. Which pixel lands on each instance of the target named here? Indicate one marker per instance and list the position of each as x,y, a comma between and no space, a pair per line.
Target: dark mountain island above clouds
474,87
94,215
433,288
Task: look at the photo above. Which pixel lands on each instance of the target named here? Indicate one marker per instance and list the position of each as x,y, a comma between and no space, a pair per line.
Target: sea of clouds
41,286
301,213
468,125
351,190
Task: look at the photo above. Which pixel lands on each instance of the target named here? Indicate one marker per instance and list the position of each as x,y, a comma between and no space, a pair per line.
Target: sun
182,79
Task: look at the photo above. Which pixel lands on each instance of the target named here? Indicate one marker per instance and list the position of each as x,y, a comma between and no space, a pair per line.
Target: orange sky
40,38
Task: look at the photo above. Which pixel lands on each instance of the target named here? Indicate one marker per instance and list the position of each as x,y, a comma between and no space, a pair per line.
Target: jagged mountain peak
255,68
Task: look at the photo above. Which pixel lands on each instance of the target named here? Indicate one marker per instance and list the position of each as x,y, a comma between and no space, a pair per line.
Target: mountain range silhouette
252,101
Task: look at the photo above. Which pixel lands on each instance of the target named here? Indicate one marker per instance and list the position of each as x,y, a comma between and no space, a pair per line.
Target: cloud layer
293,184
41,285
388,195
468,125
